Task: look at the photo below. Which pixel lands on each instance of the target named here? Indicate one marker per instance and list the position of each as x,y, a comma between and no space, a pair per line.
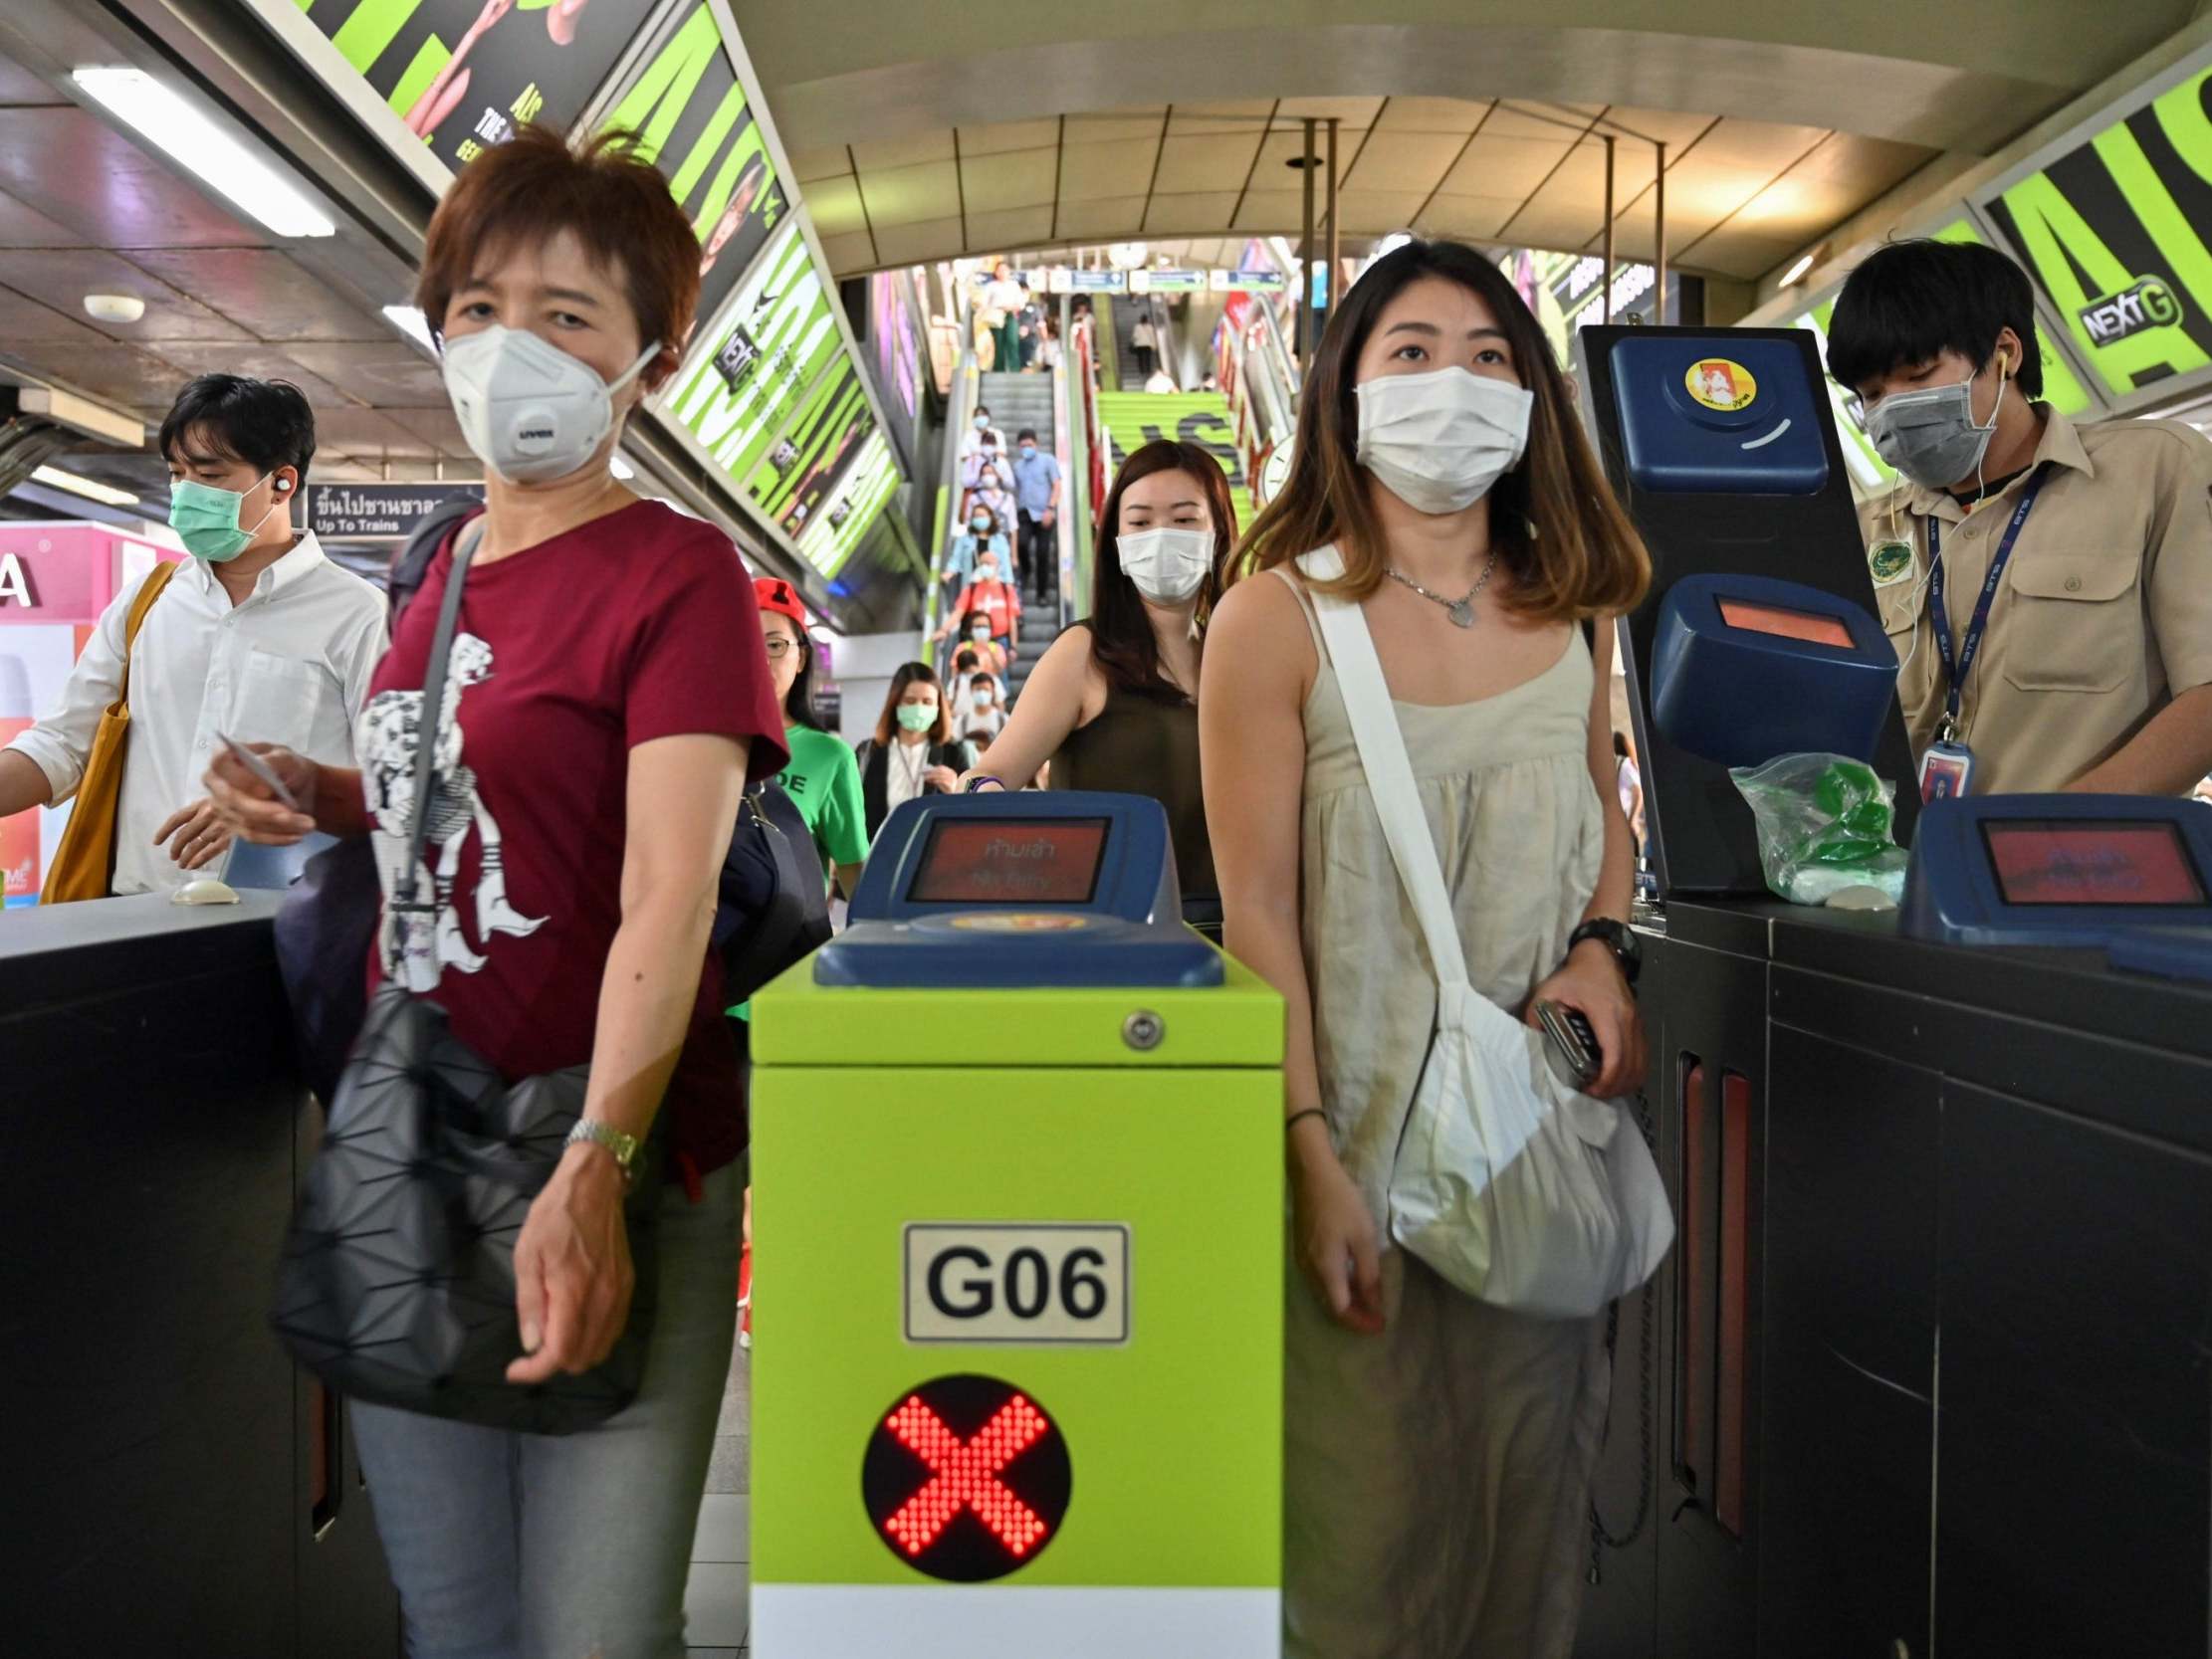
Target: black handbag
774,906
397,1284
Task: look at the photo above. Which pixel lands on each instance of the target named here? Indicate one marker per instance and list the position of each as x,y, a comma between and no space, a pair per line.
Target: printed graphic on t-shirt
419,945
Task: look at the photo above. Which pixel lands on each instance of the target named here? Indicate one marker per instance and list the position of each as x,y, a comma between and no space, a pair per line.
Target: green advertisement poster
462,75
804,465
1134,419
853,507
695,124
2114,231
773,342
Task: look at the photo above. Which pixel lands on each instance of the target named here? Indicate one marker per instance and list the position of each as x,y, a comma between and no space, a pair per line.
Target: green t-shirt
823,781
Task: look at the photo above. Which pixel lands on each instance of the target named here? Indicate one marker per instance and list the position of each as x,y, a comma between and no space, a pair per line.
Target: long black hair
799,701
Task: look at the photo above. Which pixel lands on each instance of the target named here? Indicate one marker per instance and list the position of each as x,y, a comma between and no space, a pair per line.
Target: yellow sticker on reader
1720,383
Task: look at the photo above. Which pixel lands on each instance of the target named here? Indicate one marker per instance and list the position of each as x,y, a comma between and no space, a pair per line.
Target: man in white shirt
258,637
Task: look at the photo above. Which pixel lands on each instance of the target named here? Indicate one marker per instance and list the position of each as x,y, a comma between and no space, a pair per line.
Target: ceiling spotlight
114,308
1796,273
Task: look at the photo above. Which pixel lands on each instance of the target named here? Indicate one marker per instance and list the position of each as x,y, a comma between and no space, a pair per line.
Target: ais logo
2151,303
965,1479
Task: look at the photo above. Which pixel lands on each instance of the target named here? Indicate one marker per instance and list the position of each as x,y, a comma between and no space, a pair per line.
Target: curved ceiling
1844,98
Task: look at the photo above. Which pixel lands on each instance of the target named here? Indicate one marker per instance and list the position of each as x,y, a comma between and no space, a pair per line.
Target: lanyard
1960,663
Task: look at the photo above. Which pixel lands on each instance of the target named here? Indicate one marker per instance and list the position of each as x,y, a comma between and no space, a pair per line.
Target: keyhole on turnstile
1144,1031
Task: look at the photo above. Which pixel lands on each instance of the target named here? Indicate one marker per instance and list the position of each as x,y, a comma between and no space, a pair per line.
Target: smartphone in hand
1571,1045
261,770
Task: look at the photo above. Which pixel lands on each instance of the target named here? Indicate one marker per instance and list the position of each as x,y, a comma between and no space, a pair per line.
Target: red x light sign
967,1478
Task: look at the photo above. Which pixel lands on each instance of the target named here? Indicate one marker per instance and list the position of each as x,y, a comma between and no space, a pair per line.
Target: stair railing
960,411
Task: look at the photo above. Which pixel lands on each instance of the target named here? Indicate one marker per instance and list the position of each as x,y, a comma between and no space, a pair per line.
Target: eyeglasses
779,648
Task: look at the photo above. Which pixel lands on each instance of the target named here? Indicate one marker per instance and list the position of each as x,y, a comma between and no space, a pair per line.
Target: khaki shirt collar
2061,444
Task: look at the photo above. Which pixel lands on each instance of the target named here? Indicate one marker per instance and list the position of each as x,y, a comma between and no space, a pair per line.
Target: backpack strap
412,563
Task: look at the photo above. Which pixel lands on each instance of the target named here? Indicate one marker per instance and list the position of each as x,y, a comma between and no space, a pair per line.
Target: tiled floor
715,1602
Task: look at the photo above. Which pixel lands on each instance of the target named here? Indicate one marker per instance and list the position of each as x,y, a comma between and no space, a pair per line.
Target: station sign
1067,281
1249,282
2113,221
378,512
1167,281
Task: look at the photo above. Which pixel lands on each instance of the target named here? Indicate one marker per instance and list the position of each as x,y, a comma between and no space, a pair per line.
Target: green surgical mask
917,717
205,518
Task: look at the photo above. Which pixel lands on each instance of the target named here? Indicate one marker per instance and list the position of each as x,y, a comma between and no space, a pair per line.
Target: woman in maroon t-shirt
607,696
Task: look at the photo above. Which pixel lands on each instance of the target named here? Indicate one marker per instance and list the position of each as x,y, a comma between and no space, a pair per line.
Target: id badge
1945,771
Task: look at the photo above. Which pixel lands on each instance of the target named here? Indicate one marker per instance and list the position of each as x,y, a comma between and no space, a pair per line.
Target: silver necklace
1461,611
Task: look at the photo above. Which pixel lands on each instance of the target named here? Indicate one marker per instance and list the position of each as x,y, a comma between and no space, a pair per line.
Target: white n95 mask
1167,565
527,410
1440,441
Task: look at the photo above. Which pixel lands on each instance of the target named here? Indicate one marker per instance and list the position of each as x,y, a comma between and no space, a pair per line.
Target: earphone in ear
284,485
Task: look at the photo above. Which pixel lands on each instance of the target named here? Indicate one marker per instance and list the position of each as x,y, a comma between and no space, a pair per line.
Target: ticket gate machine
1018,1229
1720,446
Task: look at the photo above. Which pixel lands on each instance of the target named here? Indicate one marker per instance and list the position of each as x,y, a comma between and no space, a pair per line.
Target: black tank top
1146,744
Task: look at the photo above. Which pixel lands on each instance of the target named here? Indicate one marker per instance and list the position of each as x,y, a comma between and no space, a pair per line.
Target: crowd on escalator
1378,722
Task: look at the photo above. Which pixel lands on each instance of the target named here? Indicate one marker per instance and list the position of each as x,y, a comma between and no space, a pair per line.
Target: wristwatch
1617,937
624,1146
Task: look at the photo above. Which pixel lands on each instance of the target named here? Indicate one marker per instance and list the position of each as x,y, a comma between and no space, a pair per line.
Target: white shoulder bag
1515,1188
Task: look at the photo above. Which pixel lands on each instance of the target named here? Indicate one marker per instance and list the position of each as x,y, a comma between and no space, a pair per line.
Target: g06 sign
1036,1282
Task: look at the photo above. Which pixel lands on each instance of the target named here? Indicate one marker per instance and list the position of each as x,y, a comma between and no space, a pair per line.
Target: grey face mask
1931,435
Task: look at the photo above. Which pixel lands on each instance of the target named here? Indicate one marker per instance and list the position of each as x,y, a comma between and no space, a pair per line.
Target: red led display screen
1010,861
1786,624
2088,862
967,1479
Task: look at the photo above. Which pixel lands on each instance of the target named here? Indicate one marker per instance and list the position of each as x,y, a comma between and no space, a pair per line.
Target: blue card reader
1707,414
1036,889
2081,870
1745,668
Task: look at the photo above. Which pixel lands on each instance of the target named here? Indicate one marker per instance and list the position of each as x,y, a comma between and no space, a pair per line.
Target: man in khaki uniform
2093,669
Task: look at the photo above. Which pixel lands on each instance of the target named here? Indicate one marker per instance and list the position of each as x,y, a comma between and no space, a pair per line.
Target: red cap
773,593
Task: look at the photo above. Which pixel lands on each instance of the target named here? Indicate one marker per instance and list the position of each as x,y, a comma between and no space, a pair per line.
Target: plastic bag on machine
1826,822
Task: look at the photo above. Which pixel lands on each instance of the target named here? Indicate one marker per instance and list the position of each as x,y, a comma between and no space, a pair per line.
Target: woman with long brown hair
1112,705
913,751
1437,1449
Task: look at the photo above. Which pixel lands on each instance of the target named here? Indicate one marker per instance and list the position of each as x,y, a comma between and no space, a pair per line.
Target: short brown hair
534,186
1554,519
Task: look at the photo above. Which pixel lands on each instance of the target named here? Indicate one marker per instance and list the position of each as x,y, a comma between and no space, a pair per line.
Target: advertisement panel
460,75
855,503
2112,224
695,122
1134,419
803,465
769,344
895,338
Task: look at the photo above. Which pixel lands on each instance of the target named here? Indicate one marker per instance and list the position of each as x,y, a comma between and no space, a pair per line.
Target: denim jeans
561,1546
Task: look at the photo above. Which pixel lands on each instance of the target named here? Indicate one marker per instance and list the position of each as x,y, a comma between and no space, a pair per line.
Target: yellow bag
85,863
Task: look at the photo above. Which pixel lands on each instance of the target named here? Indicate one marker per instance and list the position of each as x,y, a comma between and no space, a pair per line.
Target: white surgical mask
1167,565
527,410
1440,441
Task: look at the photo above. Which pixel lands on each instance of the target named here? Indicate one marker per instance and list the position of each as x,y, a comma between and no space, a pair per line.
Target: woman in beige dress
1437,1450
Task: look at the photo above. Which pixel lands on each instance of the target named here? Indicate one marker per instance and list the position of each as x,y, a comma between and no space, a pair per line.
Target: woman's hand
248,809
196,836
1590,983
943,779
1334,1232
573,1272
